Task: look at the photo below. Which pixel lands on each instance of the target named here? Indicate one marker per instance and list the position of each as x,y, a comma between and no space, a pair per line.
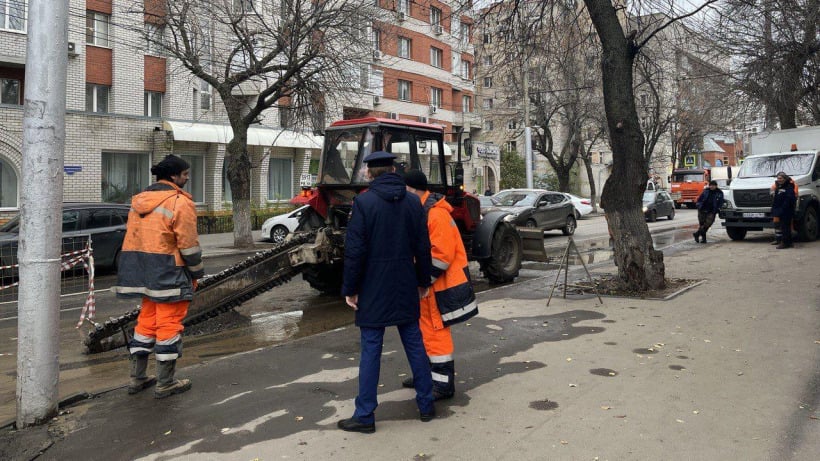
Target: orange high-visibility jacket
160,254
452,287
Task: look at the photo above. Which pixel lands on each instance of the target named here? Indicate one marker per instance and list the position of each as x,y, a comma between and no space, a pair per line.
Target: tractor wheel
506,252
326,278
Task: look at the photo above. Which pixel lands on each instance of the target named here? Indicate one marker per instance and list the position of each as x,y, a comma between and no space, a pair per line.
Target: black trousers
786,230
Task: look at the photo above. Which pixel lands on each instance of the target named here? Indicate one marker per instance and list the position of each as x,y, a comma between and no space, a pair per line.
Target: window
280,179
436,97
487,38
13,14
435,16
71,219
488,125
512,124
154,39
243,6
487,103
456,64
97,218
96,28
436,57
153,104
404,90
466,103
284,116
405,45
465,70
364,77
8,185
195,103
488,82
377,39
465,34
204,95
123,176
9,91
487,60
403,6
96,98
196,182
512,146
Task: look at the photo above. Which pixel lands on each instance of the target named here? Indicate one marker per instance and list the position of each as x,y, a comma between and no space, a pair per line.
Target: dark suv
104,223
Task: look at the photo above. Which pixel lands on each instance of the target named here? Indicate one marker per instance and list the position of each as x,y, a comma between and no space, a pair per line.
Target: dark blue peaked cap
379,158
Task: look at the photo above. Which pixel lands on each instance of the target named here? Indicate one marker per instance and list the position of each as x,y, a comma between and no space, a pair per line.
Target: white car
583,206
278,227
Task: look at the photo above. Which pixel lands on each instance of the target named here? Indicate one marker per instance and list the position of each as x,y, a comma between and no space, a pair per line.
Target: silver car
537,208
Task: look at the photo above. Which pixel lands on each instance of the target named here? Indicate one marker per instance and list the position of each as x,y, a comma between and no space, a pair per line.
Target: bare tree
259,55
776,44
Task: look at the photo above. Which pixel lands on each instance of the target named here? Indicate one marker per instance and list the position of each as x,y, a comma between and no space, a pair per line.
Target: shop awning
257,136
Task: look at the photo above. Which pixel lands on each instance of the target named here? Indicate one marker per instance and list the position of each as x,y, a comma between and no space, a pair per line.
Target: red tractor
491,240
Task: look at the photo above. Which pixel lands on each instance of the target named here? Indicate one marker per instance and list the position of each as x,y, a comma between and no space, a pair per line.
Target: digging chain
116,324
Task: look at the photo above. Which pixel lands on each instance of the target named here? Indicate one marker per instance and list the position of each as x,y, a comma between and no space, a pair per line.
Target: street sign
306,180
689,160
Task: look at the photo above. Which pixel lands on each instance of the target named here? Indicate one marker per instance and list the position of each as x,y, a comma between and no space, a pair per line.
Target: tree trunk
640,266
239,176
593,188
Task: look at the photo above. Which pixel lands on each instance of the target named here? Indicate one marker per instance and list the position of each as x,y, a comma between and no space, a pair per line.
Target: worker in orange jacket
451,299
160,262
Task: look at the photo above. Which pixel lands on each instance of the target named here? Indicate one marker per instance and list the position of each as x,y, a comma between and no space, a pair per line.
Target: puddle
677,367
604,372
644,351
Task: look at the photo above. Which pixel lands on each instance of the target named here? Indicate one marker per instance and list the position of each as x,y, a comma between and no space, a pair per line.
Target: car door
662,204
541,213
107,232
554,214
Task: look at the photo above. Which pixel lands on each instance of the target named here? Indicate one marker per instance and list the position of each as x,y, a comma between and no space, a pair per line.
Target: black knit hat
171,165
416,179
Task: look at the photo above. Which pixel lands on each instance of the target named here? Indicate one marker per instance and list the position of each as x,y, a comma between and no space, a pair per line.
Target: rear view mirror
468,148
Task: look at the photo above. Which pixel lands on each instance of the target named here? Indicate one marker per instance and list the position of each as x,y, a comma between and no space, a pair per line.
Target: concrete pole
528,155
41,196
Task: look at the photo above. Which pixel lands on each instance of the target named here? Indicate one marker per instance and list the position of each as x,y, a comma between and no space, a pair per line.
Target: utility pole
527,130
41,196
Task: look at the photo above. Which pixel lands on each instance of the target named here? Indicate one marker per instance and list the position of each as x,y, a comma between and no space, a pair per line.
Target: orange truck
687,185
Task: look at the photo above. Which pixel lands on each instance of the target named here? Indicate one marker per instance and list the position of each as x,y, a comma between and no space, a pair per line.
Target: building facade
128,106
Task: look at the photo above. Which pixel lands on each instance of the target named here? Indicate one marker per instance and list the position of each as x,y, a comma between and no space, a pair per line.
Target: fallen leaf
695,411
168,433
225,430
569,359
817,342
573,385
740,373
641,325
564,442
299,418
402,375
679,420
612,373
604,407
707,340
619,416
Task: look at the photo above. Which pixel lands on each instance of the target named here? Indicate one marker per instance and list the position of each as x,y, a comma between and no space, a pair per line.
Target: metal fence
222,224
73,279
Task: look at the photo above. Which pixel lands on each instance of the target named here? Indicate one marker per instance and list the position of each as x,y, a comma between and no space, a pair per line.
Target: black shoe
354,425
408,382
775,242
426,417
704,239
442,395
697,236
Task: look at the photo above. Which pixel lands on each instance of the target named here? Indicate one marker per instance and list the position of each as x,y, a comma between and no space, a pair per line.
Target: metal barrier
74,276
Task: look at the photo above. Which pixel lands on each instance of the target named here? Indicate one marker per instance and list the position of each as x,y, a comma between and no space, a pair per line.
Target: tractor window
428,150
340,157
401,145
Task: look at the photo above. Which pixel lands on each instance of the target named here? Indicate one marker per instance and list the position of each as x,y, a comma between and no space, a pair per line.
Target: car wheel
278,234
677,205
531,224
570,226
736,233
671,215
653,215
577,214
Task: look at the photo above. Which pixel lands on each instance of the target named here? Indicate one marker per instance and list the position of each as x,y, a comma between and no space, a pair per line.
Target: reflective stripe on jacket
160,254
452,288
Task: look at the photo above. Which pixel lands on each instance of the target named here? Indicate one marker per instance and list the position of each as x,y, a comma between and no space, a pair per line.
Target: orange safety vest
452,287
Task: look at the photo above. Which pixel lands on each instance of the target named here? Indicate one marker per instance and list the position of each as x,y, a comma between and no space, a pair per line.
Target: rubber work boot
139,379
443,380
167,385
697,236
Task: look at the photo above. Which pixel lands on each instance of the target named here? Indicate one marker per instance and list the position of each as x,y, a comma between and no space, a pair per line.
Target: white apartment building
127,107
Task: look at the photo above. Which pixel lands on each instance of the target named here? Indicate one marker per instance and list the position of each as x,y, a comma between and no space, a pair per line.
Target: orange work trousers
162,321
438,340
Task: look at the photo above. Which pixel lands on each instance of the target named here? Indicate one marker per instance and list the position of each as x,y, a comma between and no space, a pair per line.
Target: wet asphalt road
283,314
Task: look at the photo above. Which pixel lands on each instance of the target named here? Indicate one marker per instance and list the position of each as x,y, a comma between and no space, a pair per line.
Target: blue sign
71,169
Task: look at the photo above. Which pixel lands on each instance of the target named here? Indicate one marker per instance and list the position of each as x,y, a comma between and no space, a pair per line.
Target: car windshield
12,226
648,196
687,177
485,201
770,165
515,198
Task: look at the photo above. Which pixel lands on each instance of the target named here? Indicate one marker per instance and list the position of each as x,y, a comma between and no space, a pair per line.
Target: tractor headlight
645,209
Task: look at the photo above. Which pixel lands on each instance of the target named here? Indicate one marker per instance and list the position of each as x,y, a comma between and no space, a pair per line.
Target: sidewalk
222,244
727,370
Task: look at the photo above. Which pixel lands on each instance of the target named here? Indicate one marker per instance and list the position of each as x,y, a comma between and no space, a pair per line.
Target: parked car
658,203
278,227
103,222
537,208
485,202
583,206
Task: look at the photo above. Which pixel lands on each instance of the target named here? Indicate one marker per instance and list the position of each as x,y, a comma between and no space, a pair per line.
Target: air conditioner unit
377,100
401,16
424,119
72,49
393,115
377,55
437,29
433,109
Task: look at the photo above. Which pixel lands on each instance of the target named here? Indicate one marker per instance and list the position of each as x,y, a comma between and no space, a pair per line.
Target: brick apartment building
128,105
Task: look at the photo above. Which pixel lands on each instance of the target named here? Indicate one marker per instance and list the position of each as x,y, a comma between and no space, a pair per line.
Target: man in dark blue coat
386,271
